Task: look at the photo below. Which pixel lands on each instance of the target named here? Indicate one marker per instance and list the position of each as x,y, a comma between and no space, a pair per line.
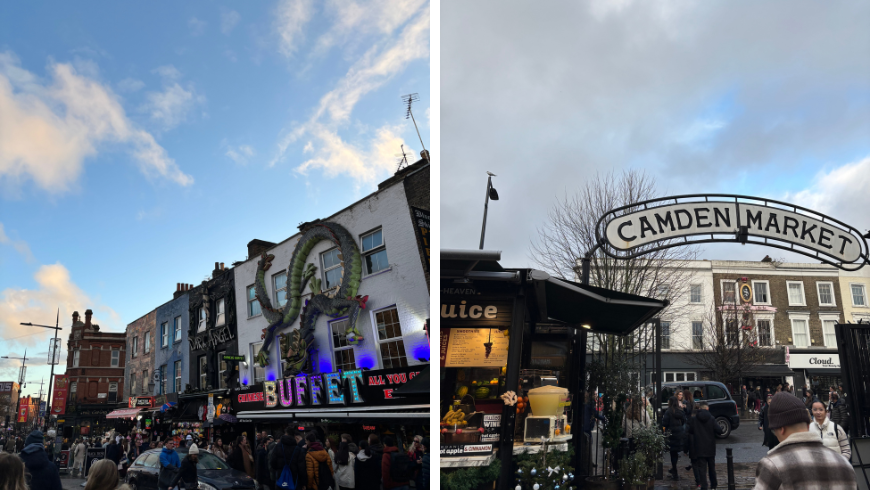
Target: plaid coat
801,462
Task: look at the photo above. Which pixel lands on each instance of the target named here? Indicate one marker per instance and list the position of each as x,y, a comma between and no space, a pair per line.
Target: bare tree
569,233
729,343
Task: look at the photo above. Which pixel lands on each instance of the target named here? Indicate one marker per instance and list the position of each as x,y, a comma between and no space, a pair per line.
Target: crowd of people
292,461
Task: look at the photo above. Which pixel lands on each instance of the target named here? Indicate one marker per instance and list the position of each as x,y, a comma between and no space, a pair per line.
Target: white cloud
291,18
47,130
172,106
55,288
19,245
130,85
196,26
841,193
353,19
168,72
241,154
229,20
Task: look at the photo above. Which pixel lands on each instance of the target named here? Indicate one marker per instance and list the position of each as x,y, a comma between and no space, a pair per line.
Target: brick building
8,402
139,367
95,367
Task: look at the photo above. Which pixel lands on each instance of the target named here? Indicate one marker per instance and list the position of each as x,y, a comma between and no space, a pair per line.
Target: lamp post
21,382
56,328
490,194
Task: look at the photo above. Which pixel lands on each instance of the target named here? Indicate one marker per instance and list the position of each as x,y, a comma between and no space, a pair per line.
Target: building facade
9,391
211,330
172,351
140,355
855,287
95,367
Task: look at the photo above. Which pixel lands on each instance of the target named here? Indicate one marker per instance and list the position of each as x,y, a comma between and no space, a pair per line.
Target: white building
395,279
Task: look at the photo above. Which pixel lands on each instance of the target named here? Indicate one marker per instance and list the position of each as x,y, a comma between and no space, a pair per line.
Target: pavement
70,483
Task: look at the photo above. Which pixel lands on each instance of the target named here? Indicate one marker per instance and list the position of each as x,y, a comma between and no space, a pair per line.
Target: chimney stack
88,314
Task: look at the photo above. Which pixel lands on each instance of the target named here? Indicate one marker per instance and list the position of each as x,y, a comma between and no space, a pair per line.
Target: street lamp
490,194
54,354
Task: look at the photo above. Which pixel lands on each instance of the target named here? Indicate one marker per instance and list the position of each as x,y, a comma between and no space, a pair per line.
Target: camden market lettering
341,388
708,218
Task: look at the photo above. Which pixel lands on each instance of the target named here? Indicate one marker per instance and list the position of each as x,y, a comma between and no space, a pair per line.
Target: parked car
213,472
723,408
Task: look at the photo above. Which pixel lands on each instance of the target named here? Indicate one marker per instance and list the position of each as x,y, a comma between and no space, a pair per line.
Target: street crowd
291,461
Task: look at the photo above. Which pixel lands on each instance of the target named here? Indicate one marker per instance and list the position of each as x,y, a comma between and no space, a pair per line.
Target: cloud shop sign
631,231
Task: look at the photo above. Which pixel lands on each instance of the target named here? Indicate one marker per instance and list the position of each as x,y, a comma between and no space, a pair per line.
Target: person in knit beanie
800,460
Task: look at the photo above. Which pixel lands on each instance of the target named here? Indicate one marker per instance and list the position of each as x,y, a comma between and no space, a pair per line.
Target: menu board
465,347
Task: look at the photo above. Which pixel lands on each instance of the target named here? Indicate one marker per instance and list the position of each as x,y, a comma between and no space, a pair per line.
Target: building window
796,294
695,293
666,335
222,370
826,293
279,285
259,372
221,317
132,383
828,330
164,334
374,252
679,377
113,392
145,380
731,331
764,330
662,292
76,358
200,326
762,294
332,269
116,357
147,342
73,387
728,294
162,380
698,335
178,376
203,374
390,338
344,357
176,330
135,347
253,303
859,296
801,337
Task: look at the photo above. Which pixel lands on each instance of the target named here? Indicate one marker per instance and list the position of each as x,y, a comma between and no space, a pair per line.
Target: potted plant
632,469
651,443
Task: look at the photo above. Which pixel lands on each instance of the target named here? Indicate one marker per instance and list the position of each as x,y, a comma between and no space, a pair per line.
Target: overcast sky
768,99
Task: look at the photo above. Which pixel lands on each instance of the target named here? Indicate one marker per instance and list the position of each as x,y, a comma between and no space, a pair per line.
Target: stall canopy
124,413
763,370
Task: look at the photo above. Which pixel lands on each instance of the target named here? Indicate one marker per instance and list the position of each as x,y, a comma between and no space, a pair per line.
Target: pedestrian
10,445
321,473
425,464
103,475
12,472
744,396
247,456
367,468
264,478
218,449
750,398
809,399
187,475
703,428
284,455
19,444
590,414
690,450
330,446
170,464
344,461
44,473
635,417
833,436
838,412
113,451
758,399
674,421
396,467
764,424
800,460
688,403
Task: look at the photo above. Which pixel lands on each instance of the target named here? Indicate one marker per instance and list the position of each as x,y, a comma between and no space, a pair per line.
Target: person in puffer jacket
170,462
833,436
43,472
367,468
839,412
315,455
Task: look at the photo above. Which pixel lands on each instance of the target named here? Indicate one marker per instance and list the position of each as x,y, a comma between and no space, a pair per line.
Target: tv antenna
409,100
403,160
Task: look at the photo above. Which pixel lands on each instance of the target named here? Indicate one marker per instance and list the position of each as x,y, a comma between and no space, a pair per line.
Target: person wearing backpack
170,464
321,475
281,461
264,477
396,467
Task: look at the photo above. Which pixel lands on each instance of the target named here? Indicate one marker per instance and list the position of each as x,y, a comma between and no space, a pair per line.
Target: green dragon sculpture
297,345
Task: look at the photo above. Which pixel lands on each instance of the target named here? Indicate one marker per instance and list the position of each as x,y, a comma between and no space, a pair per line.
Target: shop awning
823,372
124,413
462,263
417,386
168,405
601,309
773,370
395,412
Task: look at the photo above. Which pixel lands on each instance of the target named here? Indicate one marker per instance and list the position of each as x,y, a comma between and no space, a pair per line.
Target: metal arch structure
741,234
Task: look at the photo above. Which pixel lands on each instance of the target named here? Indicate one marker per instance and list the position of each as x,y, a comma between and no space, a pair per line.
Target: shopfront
357,402
819,369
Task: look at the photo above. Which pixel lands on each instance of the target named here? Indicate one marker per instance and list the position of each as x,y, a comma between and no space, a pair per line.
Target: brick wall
140,361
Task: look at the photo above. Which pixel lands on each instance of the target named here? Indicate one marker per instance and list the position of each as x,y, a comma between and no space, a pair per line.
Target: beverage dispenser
548,413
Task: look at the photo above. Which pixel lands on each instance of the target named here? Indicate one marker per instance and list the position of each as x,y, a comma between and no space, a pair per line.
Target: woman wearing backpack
321,475
344,460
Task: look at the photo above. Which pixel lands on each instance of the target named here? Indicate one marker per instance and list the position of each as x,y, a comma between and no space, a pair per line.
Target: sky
767,99
140,143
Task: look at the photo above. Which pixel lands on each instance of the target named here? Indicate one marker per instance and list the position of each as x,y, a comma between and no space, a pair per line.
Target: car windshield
208,461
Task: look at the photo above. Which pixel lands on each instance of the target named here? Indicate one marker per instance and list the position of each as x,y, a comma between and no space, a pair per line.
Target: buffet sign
473,347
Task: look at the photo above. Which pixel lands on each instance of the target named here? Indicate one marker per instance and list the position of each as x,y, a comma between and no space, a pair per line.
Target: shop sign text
212,338
466,449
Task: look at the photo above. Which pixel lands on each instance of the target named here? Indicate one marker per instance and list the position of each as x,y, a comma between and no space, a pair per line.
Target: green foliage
633,469
526,462
651,444
470,478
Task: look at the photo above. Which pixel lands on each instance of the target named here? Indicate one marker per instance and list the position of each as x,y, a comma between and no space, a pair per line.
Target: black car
213,472
722,407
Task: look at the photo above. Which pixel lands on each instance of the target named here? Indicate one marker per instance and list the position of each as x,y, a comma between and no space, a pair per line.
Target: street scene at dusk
214,245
